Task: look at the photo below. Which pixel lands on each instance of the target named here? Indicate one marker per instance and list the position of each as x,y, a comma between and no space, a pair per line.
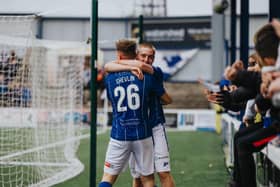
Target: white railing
231,125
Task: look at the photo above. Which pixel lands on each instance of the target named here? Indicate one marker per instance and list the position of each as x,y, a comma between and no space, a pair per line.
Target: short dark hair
266,42
127,47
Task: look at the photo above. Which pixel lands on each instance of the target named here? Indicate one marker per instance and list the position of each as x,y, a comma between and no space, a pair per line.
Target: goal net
41,92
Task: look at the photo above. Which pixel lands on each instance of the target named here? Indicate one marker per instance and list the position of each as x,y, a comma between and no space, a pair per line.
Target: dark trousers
247,141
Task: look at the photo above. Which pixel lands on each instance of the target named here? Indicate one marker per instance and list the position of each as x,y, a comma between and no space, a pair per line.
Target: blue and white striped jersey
129,97
156,114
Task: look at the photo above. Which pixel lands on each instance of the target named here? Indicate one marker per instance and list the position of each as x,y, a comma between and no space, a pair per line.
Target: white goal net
40,106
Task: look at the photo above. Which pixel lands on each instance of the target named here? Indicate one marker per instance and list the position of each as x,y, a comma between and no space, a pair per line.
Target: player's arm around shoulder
116,67
139,64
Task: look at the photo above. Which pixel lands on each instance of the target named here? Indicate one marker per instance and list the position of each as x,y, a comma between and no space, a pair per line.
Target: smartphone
211,87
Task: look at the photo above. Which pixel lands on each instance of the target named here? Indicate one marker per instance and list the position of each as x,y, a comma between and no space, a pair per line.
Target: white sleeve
250,111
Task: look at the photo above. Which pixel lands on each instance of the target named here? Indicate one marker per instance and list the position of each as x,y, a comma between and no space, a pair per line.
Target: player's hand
138,63
137,72
143,66
146,68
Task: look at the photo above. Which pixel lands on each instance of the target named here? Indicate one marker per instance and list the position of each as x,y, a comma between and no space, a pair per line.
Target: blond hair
126,47
146,45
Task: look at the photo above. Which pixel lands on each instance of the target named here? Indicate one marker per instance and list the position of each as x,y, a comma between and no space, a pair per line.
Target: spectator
255,137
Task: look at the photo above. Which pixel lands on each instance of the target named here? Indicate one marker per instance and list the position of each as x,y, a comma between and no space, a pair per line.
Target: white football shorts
161,150
161,153
118,153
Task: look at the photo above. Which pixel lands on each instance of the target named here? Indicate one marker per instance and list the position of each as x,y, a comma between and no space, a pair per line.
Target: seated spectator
86,81
86,73
250,113
3,90
12,67
255,137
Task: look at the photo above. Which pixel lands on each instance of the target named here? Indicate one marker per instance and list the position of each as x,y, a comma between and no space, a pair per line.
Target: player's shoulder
157,69
118,74
148,76
150,79
111,76
158,74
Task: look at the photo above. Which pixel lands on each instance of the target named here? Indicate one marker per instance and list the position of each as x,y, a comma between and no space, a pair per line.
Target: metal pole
274,9
232,31
140,25
93,91
165,8
152,8
227,53
244,32
40,27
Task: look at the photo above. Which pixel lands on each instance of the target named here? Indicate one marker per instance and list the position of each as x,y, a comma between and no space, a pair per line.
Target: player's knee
164,175
137,182
105,184
147,177
166,179
148,181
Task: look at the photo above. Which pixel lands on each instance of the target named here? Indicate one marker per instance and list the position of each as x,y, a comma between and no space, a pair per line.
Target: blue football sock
104,184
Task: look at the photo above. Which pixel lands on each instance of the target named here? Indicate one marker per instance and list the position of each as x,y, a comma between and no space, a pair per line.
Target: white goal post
41,92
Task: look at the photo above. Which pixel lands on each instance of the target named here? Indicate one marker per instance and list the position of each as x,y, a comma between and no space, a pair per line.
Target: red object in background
100,75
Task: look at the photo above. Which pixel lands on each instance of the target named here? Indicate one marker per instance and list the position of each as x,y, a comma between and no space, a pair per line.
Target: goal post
41,105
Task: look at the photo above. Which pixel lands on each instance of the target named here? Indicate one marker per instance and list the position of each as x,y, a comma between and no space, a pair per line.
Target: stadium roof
114,8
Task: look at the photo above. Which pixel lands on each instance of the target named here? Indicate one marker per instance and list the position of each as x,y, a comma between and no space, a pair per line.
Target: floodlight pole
274,9
244,32
93,91
140,26
232,31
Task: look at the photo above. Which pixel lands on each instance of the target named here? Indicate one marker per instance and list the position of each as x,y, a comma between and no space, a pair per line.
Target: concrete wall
111,30
73,30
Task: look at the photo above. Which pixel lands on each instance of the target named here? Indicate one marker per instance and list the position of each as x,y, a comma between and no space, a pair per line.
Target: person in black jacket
256,137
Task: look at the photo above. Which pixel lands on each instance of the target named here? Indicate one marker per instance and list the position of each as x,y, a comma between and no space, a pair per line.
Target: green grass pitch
196,160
